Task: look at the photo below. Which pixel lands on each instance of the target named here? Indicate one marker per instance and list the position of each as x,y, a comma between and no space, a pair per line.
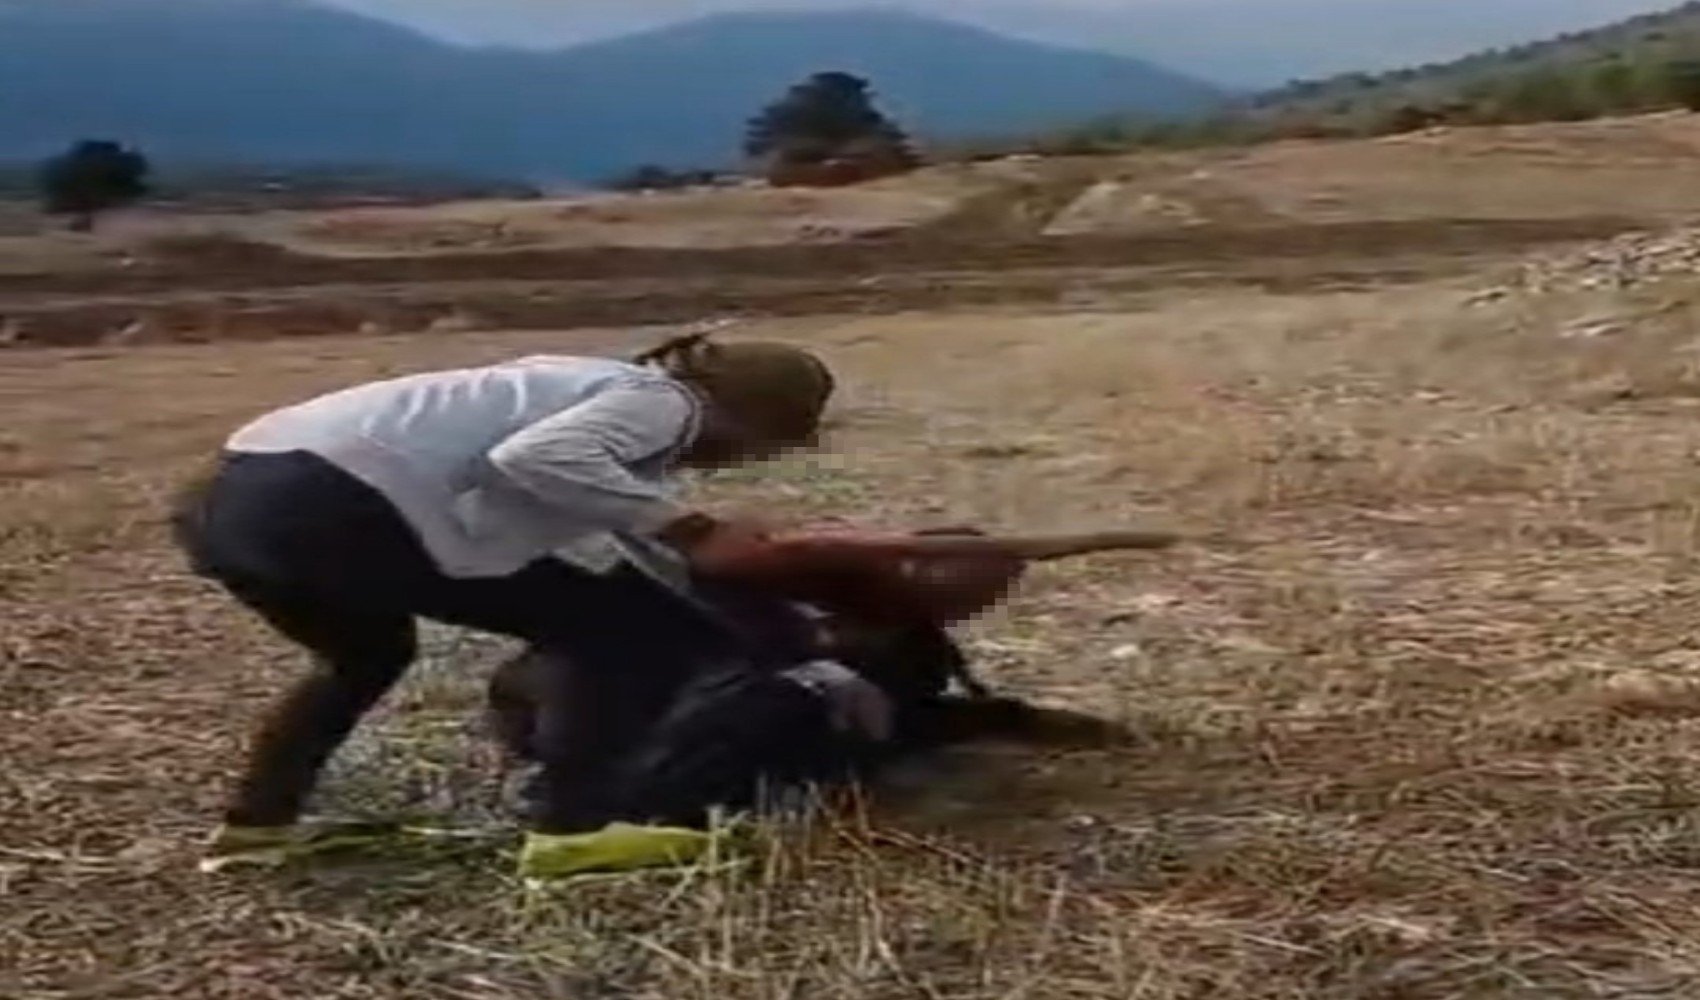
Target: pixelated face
962,587
726,441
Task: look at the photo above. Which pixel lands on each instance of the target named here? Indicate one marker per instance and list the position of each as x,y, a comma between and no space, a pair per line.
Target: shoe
272,846
621,847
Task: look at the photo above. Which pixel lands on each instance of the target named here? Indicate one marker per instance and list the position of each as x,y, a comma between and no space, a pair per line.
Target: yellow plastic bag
622,847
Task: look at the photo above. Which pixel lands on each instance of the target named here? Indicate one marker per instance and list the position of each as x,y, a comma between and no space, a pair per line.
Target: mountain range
295,81
1252,44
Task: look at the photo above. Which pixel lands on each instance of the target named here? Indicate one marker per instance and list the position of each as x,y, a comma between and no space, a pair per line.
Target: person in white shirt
531,498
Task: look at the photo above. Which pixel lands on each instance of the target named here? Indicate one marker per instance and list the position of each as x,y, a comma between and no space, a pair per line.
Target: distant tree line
95,176
1609,84
827,130
1646,63
654,177
1642,64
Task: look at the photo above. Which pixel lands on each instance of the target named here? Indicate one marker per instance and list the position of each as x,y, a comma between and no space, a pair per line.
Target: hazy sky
1239,40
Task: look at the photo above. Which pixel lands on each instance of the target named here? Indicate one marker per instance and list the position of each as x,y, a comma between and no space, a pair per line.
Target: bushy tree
1682,82
91,177
1611,86
1542,94
828,116
651,177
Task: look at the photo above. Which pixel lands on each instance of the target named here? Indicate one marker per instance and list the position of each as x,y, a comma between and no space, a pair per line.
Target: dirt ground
1412,716
1100,231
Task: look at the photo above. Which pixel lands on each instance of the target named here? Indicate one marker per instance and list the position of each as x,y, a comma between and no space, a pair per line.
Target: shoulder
616,389
603,372
615,392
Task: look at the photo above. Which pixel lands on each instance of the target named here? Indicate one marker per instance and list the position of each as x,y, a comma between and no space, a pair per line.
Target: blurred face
959,588
725,441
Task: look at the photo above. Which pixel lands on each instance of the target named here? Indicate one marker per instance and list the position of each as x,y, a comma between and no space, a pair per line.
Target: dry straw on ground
1414,717
1388,737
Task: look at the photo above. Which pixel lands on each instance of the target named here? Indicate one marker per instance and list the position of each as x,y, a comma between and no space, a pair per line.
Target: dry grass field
1415,715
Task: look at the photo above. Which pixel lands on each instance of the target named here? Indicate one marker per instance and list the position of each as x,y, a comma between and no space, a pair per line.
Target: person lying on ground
825,699
532,498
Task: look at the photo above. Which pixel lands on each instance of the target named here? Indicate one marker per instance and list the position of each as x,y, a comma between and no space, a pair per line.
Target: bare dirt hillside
1068,232
1412,717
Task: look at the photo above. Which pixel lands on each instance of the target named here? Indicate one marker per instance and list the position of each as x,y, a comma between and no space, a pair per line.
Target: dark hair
783,389
692,354
672,350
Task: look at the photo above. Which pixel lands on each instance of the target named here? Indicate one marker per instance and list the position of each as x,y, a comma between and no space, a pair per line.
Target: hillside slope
1621,66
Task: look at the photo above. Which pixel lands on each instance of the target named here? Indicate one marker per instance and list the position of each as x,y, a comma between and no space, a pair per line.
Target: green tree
827,116
1540,95
1652,80
91,177
1611,85
653,177
1408,118
1682,82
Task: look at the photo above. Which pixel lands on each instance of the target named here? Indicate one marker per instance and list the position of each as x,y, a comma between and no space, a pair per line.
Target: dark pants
330,563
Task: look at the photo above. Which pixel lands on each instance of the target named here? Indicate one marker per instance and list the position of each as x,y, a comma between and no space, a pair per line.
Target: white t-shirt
499,466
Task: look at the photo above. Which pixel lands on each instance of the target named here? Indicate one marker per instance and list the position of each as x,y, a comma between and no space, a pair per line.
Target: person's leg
609,654
329,564
511,702
624,662
357,657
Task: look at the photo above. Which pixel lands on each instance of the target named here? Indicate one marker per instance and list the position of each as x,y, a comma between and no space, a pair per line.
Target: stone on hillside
1622,262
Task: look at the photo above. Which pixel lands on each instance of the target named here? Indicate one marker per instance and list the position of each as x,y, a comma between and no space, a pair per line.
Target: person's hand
738,547
734,550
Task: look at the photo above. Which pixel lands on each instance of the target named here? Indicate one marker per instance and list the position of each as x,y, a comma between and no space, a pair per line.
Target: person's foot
271,846
621,847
